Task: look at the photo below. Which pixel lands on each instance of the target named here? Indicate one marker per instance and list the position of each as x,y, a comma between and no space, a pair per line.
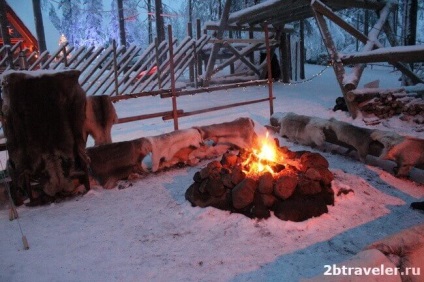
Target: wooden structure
19,33
393,55
132,72
278,13
21,45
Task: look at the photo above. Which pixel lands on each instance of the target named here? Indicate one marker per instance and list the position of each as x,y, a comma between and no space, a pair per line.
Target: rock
226,180
328,195
308,187
313,174
197,178
326,175
259,209
285,186
196,198
237,176
222,202
265,183
243,193
229,160
298,209
287,153
310,159
214,166
268,200
215,187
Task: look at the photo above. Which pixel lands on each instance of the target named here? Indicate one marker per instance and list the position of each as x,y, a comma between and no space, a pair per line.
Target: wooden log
361,95
389,54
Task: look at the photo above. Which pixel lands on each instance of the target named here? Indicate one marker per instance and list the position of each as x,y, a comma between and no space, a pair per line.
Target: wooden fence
130,72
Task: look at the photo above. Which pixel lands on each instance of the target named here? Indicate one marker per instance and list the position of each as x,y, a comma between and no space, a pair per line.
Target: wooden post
335,60
268,62
158,62
231,65
199,59
115,67
302,49
284,58
251,55
191,66
65,59
196,57
172,74
217,46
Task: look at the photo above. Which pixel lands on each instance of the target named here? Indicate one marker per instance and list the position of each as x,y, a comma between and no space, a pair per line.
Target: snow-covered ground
149,232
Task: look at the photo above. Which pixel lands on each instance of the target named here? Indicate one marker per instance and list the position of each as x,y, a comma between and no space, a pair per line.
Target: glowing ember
264,158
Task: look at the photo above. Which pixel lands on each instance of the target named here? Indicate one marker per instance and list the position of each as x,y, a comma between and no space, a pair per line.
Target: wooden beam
241,55
324,10
214,88
186,114
335,60
245,27
389,54
215,49
351,81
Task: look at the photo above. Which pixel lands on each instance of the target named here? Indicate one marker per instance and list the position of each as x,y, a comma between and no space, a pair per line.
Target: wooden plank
146,116
247,27
162,51
240,56
83,58
39,60
143,57
100,67
186,114
46,64
240,40
121,62
215,88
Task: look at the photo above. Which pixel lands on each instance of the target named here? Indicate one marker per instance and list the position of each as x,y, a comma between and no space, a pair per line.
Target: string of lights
304,80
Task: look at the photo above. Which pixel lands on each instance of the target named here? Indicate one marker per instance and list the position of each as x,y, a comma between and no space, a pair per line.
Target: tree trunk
190,11
150,18
409,29
39,26
160,25
122,38
410,21
285,64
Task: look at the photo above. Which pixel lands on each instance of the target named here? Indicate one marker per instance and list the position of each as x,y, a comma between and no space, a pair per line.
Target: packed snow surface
145,230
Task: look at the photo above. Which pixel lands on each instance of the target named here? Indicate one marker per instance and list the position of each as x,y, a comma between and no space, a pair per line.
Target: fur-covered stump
43,116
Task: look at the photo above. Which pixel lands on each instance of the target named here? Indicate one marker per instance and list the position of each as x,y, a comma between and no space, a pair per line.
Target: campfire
294,185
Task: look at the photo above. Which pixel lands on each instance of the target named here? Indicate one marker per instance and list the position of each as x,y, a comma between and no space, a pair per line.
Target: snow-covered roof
280,12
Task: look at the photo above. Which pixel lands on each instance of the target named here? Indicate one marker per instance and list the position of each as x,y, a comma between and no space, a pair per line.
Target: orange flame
261,159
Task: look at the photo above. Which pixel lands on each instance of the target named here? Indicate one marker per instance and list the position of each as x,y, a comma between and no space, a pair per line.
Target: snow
147,231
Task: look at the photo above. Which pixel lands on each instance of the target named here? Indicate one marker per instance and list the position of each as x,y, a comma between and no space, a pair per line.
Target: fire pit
294,185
